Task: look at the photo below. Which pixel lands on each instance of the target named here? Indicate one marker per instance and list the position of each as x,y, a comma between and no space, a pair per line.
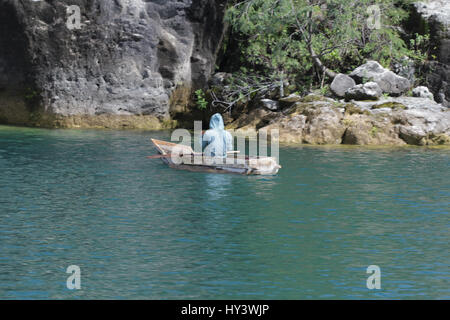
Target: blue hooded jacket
217,140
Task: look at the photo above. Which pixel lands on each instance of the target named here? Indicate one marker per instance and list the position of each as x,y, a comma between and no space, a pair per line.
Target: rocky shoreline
313,120
370,106
320,120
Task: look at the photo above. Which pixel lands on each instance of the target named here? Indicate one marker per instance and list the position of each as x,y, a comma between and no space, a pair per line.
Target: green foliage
200,99
325,90
365,79
421,47
281,38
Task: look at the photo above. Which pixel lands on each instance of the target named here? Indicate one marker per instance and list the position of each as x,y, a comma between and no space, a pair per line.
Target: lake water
138,229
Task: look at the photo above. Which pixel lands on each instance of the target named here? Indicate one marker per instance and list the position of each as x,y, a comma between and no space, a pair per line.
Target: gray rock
392,84
410,103
440,9
366,91
367,71
421,126
421,121
270,104
388,81
128,58
341,83
422,92
324,125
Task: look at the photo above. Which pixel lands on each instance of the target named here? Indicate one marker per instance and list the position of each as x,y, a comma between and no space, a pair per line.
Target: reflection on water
139,229
217,186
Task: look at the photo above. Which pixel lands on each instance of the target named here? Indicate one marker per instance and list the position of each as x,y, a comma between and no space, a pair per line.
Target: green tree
285,38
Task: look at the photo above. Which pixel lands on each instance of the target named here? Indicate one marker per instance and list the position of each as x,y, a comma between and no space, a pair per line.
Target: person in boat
217,141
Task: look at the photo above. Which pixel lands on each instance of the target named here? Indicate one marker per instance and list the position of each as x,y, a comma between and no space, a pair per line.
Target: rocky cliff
128,63
436,15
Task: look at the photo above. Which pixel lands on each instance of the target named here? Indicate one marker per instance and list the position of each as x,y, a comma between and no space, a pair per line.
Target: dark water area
140,230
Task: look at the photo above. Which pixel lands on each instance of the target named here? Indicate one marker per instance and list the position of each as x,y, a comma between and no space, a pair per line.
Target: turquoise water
139,229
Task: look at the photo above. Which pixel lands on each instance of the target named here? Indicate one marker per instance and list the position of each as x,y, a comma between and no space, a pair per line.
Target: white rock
422,92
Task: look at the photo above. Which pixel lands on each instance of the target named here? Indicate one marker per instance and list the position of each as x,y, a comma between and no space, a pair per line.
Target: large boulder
366,129
341,83
367,71
366,91
388,81
324,125
417,121
129,57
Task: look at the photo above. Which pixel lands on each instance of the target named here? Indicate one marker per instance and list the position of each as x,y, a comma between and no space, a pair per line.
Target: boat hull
234,164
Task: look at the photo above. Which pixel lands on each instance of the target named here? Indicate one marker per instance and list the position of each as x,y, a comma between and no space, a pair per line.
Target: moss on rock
390,105
351,108
313,98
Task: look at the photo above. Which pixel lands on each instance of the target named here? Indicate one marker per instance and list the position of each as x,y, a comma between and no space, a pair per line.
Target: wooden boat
183,157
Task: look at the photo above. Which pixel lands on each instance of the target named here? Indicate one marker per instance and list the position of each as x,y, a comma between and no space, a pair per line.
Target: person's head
216,122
